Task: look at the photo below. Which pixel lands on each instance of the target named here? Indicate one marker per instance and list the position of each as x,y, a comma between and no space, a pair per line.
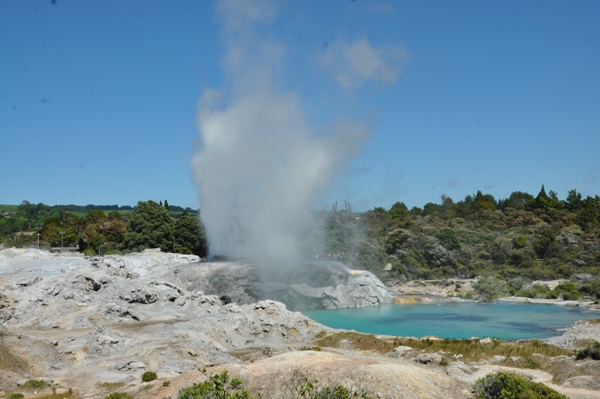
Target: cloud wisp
354,63
259,165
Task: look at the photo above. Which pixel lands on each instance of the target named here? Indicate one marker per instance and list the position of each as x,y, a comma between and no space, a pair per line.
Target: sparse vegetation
148,376
35,384
166,383
118,395
298,386
470,349
16,395
509,386
532,364
218,386
310,348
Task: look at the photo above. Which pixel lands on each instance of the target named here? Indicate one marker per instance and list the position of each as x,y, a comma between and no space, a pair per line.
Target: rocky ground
94,325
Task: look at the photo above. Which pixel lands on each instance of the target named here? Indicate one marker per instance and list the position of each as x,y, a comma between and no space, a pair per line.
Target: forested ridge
516,240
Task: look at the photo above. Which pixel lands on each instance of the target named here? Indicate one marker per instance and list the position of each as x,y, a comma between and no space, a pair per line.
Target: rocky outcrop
304,285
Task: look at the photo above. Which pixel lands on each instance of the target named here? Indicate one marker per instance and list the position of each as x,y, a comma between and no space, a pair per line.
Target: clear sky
98,99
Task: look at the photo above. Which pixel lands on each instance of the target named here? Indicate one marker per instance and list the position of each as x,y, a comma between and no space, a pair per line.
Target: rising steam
259,165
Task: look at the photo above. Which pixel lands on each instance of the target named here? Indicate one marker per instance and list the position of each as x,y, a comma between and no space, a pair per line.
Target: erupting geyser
259,164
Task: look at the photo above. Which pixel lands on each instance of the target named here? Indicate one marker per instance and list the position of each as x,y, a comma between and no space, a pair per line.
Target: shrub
592,351
568,291
35,384
519,242
448,239
148,376
16,396
118,395
218,386
508,386
166,383
536,291
533,364
490,288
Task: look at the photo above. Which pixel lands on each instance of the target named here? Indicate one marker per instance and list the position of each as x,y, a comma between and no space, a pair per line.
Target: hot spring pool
503,320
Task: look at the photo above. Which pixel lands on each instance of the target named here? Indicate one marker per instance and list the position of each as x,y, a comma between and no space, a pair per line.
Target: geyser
260,163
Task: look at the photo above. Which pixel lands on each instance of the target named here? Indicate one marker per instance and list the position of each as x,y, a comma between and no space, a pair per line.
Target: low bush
490,288
148,376
509,386
118,395
16,396
35,384
532,364
166,383
568,291
311,348
592,351
218,386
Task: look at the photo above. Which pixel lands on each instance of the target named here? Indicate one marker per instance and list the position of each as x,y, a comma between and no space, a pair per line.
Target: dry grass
66,395
593,321
110,386
10,361
471,350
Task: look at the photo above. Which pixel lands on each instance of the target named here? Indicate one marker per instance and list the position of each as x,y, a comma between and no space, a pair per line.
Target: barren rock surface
80,322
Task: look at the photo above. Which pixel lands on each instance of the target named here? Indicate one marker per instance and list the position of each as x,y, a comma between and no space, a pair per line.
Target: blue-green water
504,320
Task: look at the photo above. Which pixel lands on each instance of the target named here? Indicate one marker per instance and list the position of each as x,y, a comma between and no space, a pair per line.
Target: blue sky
99,99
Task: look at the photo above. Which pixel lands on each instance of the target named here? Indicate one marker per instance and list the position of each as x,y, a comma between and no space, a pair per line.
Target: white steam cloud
259,165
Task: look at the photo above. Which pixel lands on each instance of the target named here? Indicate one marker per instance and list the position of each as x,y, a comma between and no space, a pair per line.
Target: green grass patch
8,208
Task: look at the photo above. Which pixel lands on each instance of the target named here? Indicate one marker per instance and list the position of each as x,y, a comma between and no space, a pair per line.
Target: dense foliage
503,385
148,376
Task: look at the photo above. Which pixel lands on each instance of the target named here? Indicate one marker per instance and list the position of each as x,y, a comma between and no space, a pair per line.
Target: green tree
398,211
189,235
573,200
150,226
167,205
447,210
586,217
484,202
431,209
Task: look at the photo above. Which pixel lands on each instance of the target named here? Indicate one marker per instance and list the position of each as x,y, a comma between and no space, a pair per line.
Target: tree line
150,225
523,236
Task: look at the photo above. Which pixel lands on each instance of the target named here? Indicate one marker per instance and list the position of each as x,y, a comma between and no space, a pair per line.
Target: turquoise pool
504,320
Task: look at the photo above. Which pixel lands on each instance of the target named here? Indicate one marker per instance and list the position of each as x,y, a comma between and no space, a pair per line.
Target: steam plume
259,165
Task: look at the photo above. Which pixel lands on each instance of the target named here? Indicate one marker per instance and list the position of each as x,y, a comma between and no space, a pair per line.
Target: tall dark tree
398,211
167,205
189,236
574,201
150,226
